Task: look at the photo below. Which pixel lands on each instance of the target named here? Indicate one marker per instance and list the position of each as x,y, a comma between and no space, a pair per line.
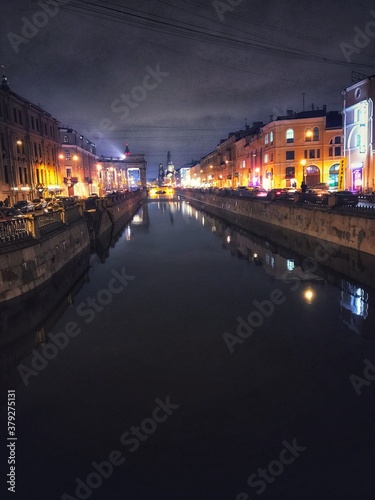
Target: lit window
290,264
308,134
271,137
266,158
290,135
266,139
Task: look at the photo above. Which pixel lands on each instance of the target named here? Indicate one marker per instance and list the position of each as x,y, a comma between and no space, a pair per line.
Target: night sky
218,64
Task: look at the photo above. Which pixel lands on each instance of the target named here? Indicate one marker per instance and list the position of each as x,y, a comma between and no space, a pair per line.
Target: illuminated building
359,133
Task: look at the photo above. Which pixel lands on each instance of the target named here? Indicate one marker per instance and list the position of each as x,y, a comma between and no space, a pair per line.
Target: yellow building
29,144
302,146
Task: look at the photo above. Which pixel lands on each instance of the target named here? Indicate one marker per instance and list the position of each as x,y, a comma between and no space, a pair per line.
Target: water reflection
286,265
300,271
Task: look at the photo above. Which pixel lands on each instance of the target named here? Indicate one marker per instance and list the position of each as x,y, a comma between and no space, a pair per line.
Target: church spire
127,150
4,81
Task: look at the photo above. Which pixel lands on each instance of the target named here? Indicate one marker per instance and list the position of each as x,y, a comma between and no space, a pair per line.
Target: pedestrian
303,187
7,201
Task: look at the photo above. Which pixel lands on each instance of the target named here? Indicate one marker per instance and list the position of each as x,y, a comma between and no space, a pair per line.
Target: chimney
313,107
325,108
289,112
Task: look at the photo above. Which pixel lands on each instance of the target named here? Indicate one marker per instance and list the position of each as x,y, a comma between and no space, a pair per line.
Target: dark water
201,363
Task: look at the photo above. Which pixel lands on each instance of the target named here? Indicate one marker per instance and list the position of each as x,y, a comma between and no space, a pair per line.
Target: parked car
54,206
257,192
281,194
9,214
25,206
39,203
343,198
67,201
320,194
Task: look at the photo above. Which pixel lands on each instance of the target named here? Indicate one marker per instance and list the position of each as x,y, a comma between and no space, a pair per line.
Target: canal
198,361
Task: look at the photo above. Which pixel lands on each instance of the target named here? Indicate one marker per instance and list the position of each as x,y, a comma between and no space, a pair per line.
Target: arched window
290,135
315,134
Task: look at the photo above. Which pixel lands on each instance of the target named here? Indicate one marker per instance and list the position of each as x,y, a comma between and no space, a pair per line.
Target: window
357,115
67,154
66,139
20,117
271,137
266,139
316,134
35,150
358,140
318,153
266,158
15,115
337,150
290,173
312,153
305,153
308,134
290,135
271,156
333,181
289,155
40,150
32,122
6,175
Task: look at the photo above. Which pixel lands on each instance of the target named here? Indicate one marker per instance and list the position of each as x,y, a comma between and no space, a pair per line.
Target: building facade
359,133
29,145
78,163
304,146
116,174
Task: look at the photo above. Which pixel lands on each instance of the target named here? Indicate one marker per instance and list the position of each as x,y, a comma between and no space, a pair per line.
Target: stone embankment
349,228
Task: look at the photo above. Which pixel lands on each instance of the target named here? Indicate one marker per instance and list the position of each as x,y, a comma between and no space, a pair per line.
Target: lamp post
303,163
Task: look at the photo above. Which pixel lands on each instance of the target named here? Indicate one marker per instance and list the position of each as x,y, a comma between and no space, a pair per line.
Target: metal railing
14,230
37,226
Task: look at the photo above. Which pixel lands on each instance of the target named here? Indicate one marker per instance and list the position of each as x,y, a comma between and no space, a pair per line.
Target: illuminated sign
341,184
